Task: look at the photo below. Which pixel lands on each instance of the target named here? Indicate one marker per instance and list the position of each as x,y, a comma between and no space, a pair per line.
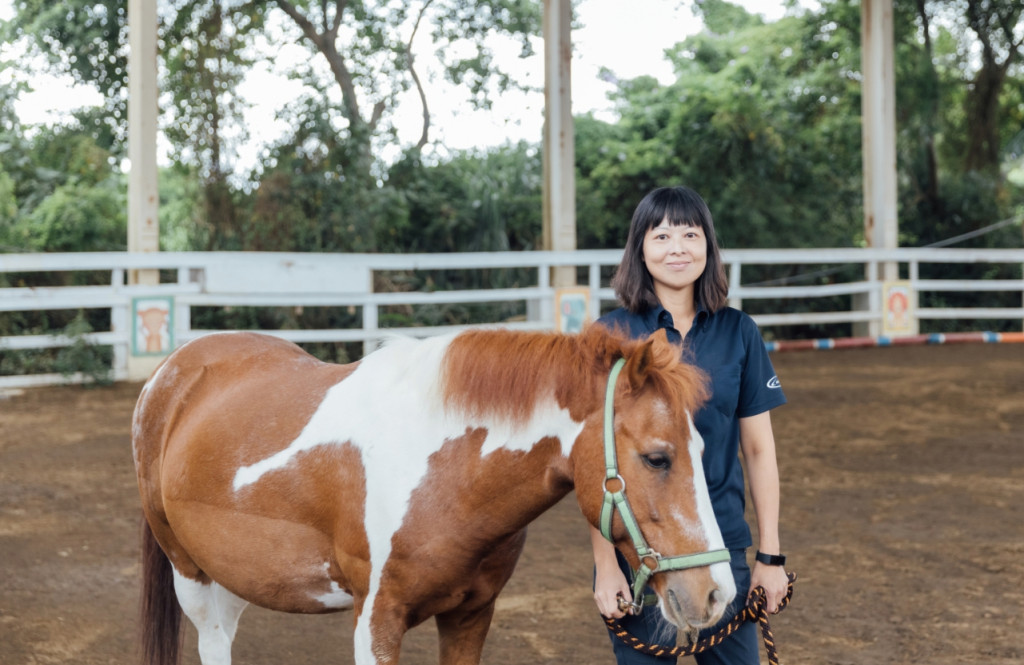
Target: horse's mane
503,373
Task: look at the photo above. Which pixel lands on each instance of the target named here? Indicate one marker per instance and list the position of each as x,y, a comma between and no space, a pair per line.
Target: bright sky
627,42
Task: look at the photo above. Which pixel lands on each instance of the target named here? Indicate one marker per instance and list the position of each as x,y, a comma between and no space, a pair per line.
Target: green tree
958,106
86,40
475,201
369,51
305,199
76,218
60,191
13,147
996,26
362,61
762,121
207,57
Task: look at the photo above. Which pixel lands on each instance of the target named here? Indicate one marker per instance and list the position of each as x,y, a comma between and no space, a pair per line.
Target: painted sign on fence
898,304
571,308
153,327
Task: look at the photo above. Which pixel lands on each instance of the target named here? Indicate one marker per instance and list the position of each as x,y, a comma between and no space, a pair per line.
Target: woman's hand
774,581
610,583
610,586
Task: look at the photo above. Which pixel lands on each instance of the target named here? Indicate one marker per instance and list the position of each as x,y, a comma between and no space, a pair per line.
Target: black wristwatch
770,559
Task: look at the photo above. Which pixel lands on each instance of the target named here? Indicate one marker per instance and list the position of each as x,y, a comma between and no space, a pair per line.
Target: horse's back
234,383
235,352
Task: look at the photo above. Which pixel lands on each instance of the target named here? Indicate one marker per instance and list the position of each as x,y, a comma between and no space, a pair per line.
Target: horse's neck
524,467
513,489
521,400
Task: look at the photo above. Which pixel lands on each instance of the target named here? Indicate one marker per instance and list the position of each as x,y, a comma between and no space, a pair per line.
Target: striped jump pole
909,340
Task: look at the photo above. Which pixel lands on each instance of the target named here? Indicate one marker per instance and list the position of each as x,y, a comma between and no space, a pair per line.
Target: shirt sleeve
760,389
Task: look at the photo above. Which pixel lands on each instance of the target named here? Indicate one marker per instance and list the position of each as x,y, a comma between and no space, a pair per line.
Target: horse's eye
658,461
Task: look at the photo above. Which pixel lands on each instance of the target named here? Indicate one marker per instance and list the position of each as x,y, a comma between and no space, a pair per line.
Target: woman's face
675,256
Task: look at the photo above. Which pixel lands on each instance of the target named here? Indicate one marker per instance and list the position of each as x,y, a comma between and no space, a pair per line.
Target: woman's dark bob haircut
681,206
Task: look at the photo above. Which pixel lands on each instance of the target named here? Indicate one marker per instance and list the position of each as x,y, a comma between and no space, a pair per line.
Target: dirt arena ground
903,477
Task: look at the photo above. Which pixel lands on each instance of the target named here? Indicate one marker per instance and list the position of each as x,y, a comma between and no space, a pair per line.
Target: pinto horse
400,486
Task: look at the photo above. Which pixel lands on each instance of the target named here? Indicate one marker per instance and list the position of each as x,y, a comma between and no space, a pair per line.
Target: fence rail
219,279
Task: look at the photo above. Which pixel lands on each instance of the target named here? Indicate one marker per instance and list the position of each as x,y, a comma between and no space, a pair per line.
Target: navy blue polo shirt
728,346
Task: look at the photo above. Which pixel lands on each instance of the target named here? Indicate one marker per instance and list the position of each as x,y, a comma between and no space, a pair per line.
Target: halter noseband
650,561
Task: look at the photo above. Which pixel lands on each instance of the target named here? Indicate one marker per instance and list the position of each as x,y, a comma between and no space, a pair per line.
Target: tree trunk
995,26
983,119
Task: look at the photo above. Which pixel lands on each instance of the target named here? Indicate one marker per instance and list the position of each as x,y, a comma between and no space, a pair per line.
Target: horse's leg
461,634
378,640
214,611
462,631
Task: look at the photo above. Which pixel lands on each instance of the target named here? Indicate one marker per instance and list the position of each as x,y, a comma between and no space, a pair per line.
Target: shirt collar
658,317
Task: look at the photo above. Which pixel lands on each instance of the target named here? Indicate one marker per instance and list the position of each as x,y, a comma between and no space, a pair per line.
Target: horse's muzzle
697,605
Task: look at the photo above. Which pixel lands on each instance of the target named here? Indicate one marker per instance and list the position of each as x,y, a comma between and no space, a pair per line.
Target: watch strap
770,559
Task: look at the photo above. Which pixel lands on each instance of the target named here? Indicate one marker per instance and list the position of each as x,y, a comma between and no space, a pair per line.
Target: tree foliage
763,119
760,117
369,50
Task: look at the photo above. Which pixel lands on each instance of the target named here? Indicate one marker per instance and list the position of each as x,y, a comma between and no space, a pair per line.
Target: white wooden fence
346,280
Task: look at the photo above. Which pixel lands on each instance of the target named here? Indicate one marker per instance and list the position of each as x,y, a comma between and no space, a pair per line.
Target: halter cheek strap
651,562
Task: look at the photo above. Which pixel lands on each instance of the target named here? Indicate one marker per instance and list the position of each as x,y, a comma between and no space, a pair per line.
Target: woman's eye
657,461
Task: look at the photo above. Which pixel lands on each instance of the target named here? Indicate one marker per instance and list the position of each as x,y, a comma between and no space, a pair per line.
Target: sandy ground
903,477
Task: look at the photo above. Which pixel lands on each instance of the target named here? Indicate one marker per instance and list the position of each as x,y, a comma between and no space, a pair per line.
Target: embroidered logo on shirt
774,382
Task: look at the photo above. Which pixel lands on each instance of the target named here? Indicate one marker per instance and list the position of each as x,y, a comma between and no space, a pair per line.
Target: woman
672,277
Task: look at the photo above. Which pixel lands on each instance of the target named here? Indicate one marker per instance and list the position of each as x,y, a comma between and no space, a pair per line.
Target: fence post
735,272
875,300
913,274
546,308
371,319
182,310
594,282
119,326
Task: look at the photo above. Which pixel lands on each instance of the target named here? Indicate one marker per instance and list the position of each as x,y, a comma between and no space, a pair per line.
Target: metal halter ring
604,485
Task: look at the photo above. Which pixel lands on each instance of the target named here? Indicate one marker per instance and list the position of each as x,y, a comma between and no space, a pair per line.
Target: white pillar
143,196
878,132
559,138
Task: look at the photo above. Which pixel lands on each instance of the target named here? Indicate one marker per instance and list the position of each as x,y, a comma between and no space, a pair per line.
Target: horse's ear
660,338
639,363
655,352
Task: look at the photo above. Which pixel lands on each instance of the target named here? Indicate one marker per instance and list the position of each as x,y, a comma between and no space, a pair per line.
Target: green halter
650,561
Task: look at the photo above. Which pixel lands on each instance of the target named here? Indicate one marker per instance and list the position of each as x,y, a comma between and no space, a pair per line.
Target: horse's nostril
716,602
673,601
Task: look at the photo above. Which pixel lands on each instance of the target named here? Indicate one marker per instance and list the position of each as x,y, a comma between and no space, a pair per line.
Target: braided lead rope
755,610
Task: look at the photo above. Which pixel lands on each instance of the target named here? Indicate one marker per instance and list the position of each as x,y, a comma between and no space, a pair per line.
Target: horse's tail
159,611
